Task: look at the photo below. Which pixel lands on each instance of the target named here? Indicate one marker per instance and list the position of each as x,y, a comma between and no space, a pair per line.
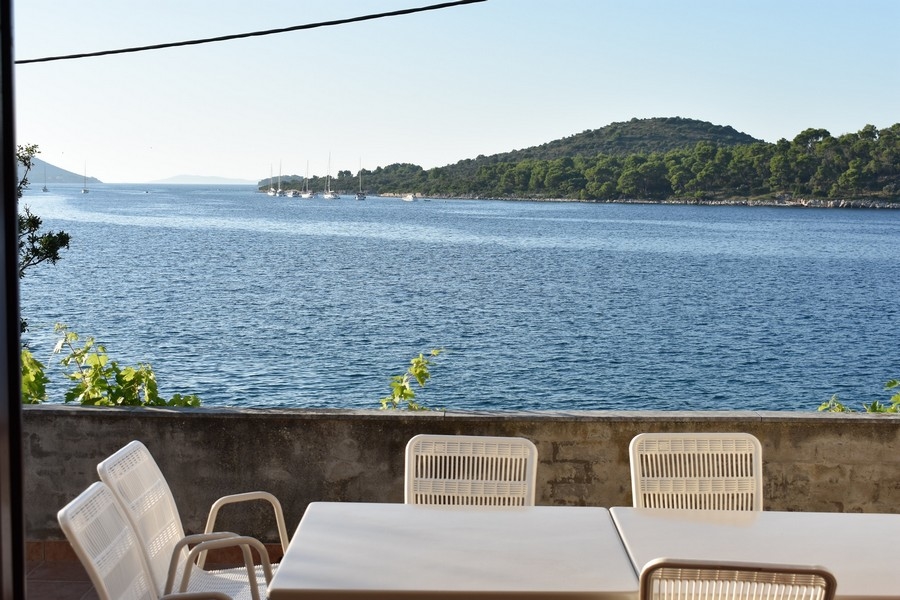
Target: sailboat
360,195
328,194
306,193
271,191
44,189
279,191
84,189
291,193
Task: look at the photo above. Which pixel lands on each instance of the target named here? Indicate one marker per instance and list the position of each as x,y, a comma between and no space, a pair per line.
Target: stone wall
812,461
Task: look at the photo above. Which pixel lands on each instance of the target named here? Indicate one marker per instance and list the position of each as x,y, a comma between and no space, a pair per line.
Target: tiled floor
58,580
66,579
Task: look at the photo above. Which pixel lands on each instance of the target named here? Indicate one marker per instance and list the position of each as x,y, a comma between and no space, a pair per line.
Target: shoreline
858,203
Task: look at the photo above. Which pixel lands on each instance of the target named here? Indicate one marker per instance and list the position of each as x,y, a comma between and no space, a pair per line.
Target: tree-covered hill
636,136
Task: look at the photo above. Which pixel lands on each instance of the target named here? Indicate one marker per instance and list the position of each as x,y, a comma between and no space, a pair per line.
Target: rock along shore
864,203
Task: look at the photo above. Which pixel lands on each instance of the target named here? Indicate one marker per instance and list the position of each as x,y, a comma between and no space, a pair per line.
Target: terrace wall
812,461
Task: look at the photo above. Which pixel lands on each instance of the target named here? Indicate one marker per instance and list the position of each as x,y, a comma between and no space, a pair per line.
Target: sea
255,301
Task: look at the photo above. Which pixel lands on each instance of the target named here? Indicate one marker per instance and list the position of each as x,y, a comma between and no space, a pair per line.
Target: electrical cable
237,36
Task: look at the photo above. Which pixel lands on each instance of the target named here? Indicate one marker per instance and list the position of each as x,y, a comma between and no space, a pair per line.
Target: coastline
781,201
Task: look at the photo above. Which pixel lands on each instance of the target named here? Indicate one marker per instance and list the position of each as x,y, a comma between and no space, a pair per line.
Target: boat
409,198
328,194
279,191
44,189
84,189
360,195
271,191
306,193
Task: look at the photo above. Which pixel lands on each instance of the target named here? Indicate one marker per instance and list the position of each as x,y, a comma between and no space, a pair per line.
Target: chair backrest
470,470
137,482
107,546
704,471
668,579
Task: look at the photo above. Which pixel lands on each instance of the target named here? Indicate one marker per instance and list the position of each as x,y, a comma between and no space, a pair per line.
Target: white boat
360,195
271,191
84,189
292,193
409,198
328,194
279,191
306,193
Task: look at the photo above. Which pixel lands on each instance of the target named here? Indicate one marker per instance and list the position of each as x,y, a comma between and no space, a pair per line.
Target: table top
362,550
860,549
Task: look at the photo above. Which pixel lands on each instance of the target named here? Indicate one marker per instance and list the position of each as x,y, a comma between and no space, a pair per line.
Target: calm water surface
249,300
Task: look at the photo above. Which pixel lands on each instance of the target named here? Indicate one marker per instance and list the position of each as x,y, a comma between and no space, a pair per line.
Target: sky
431,88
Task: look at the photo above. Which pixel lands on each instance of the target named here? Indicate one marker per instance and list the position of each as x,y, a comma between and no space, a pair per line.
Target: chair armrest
230,540
196,596
248,497
184,542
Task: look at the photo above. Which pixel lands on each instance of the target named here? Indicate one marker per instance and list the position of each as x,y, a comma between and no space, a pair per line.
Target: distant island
203,180
43,173
666,159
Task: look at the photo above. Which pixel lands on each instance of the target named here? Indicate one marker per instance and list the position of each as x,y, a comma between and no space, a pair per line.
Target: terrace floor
53,571
58,580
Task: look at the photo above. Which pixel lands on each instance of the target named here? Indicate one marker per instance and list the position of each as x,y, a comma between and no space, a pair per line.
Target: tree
35,246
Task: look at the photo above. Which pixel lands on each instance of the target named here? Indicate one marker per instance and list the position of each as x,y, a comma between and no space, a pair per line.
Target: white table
860,549
360,550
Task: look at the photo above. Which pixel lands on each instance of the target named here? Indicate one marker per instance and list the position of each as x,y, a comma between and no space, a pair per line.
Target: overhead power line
238,36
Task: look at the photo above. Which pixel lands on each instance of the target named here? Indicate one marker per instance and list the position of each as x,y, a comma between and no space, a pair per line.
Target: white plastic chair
106,544
668,579
702,471
470,470
140,487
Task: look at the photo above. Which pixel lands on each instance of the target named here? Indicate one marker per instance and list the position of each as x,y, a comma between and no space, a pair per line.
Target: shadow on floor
58,580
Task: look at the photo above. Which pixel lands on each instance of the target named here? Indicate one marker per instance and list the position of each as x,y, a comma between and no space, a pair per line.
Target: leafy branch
98,381
402,391
835,405
35,246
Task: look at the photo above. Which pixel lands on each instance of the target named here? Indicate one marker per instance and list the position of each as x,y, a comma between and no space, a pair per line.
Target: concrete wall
812,461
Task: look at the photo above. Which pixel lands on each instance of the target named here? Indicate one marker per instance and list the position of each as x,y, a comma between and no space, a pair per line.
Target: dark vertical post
12,545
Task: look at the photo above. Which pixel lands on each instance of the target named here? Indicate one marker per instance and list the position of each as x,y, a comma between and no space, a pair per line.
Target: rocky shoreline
782,201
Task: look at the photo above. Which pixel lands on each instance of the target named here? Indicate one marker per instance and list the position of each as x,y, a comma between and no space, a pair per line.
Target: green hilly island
663,159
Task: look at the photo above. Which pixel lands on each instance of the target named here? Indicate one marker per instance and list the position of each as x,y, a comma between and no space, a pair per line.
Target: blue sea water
249,300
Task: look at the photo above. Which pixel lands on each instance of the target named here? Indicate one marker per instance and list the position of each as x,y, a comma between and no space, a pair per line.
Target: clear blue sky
432,88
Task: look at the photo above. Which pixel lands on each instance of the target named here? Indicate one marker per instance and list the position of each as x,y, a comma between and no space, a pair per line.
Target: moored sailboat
307,193
328,194
271,191
279,191
360,195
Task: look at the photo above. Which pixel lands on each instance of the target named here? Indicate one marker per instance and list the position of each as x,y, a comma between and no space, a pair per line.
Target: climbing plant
96,380
875,406
403,394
